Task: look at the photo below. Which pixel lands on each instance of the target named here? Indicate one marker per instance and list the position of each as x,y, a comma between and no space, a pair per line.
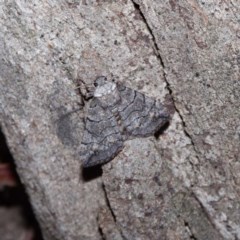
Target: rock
181,184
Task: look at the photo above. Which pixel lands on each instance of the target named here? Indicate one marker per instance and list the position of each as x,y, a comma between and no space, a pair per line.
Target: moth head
103,87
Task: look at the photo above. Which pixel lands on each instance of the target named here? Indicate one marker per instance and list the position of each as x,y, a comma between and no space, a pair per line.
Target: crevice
214,225
138,8
192,236
101,232
204,210
108,202
111,211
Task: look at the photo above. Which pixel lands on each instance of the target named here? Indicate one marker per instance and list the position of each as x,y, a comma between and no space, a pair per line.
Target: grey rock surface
182,184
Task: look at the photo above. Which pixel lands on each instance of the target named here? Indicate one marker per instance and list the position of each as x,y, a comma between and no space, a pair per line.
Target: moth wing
102,139
141,116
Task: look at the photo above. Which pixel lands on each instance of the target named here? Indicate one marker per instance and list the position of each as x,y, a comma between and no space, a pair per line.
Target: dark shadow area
161,130
91,173
15,196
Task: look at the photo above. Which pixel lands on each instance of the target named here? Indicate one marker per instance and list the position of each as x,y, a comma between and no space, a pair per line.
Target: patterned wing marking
141,116
102,139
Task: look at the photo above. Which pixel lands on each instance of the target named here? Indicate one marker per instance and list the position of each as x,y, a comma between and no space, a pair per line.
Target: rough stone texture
183,184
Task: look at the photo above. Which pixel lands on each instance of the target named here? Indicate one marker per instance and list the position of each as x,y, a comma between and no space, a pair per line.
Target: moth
115,114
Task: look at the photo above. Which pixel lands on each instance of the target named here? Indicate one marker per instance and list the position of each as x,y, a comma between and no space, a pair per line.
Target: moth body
117,113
